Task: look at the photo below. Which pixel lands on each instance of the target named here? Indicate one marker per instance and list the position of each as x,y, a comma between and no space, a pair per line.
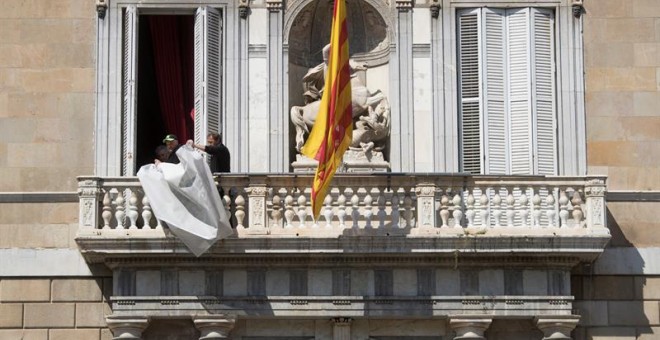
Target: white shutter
208,46
469,86
495,110
518,47
544,91
129,90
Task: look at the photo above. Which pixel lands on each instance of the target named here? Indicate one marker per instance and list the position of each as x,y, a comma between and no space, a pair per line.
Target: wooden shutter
470,93
495,91
519,92
208,45
129,89
544,111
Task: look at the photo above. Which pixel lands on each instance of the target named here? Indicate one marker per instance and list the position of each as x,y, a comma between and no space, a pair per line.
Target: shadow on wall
609,292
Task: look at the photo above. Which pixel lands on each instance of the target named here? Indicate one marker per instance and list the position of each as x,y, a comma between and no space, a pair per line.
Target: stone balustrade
377,204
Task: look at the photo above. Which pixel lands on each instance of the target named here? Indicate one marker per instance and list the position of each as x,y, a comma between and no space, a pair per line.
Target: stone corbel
578,8
435,8
101,8
274,5
469,327
243,8
342,328
557,327
126,327
404,5
214,327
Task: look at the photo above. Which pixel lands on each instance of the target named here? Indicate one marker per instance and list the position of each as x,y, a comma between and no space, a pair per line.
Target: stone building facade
424,251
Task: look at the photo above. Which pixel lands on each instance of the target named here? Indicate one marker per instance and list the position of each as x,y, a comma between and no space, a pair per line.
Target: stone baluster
106,215
578,215
563,209
341,209
355,212
426,210
341,329
368,210
469,328
396,214
457,210
126,327
214,327
557,327
469,211
524,207
510,207
132,210
536,210
146,212
382,215
595,190
444,210
276,213
483,210
288,210
327,212
257,208
89,191
240,210
302,209
407,210
550,209
119,211
497,209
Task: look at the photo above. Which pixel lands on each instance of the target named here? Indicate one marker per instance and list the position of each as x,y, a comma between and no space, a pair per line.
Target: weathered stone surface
92,314
47,315
68,334
24,290
633,313
23,334
609,288
76,290
11,315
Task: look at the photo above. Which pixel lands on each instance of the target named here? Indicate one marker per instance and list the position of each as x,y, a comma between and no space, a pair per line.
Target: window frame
569,82
111,148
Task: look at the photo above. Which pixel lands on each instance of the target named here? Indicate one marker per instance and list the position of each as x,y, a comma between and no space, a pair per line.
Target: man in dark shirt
218,151
172,143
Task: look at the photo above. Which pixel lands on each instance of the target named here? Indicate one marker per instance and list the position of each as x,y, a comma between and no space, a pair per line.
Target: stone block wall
58,308
618,296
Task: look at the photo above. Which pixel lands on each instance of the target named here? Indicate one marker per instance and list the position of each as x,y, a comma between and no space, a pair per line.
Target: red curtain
172,38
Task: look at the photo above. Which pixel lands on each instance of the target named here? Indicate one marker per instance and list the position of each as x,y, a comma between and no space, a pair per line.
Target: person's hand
190,143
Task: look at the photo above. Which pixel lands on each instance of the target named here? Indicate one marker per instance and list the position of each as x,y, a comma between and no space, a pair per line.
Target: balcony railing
379,204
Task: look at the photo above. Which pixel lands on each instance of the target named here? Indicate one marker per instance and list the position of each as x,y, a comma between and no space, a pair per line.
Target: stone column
214,327
469,327
556,327
126,327
341,329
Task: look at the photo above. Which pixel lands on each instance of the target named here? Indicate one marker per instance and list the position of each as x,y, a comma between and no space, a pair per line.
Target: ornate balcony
428,215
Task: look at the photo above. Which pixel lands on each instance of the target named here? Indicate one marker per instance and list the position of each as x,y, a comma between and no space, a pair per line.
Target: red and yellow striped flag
333,129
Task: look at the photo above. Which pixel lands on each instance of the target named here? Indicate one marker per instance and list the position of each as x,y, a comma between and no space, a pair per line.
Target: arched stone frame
380,57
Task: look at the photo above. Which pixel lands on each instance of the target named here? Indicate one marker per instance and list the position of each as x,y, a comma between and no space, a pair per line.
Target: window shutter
519,72
544,91
129,90
468,36
495,93
208,46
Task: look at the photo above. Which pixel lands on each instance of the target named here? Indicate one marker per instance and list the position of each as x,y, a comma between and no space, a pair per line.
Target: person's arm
196,146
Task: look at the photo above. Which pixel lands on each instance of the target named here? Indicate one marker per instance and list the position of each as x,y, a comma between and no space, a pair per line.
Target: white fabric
186,198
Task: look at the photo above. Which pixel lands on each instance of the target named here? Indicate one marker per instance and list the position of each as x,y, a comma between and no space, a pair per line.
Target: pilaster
557,327
126,327
278,129
403,150
214,327
341,328
469,327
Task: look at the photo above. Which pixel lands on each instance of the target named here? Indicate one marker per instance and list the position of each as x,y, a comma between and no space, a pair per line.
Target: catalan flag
333,129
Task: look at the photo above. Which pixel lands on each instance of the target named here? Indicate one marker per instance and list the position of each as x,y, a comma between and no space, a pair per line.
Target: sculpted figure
370,110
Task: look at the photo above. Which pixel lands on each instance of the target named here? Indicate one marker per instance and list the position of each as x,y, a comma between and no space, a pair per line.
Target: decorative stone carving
274,5
342,328
371,120
243,8
404,5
